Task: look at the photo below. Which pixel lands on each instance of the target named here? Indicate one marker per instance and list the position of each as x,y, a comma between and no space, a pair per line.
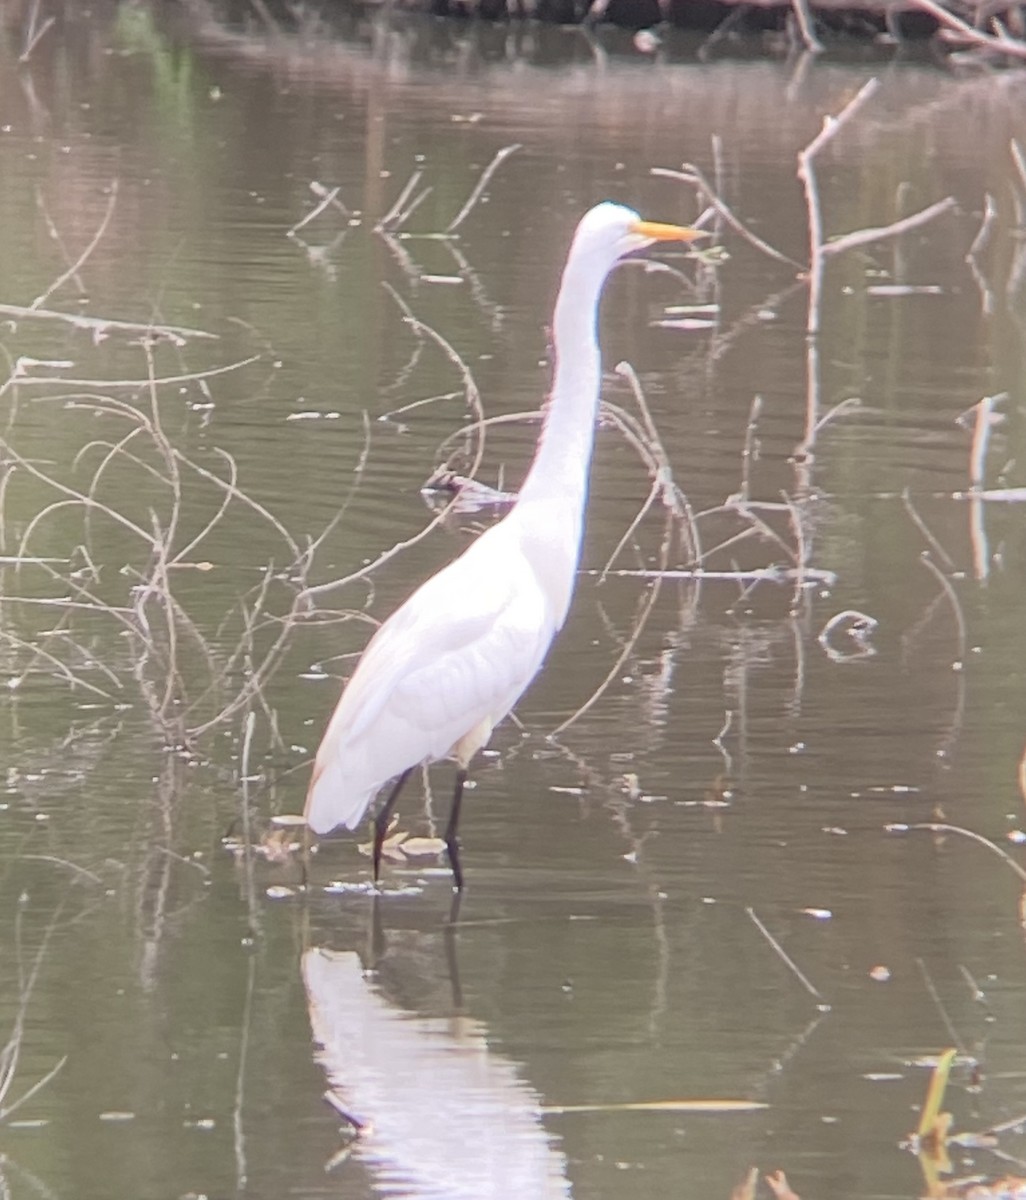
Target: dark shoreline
865,20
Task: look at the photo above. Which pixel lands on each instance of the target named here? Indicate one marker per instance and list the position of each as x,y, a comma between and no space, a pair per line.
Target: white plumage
449,664
455,656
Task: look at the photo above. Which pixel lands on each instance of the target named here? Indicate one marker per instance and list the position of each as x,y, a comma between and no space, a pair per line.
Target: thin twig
920,524
390,219
981,437
785,958
327,201
952,595
979,244
256,674
974,37
747,510
139,384
75,497
238,1128
660,469
56,236
473,399
862,237
480,186
244,498
807,25
841,407
34,34
949,1025
806,174
63,669
40,1083
983,234
780,575
944,827
402,217
103,325
621,658
693,175
630,642
750,451
11,1051
1020,163
94,241
628,533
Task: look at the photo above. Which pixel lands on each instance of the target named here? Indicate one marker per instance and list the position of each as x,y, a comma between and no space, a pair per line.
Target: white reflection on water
444,1115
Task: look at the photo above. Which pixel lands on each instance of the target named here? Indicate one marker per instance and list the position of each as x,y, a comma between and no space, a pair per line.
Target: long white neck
550,509
561,463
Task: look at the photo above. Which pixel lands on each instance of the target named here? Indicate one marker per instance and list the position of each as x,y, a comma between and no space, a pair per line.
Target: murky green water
166,684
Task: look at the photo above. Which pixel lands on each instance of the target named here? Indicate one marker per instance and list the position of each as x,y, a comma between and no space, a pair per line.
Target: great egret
449,664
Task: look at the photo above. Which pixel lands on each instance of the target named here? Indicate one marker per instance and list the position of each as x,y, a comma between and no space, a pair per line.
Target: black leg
377,943
304,861
449,934
451,844
381,820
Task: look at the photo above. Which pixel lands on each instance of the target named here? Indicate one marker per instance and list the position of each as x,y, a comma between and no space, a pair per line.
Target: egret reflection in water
442,1114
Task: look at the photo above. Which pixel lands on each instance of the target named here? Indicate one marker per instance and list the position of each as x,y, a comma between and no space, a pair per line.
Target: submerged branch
103,325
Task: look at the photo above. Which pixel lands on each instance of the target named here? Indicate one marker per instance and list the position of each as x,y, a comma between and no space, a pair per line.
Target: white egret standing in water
449,664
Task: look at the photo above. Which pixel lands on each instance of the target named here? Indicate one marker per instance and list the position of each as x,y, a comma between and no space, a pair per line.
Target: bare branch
861,237
480,186
968,34
807,25
72,270
103,325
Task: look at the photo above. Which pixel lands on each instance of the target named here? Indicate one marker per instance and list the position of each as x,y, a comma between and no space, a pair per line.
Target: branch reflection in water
440,1113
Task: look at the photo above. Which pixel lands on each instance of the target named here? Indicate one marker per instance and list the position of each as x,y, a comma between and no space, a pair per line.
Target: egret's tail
333,801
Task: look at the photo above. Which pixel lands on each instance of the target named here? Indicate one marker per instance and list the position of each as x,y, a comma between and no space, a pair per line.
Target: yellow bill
659,232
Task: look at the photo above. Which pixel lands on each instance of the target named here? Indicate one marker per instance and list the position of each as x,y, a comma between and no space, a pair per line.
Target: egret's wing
458,687
459,652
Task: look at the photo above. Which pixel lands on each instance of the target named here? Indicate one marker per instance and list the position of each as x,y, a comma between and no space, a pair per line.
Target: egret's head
610,231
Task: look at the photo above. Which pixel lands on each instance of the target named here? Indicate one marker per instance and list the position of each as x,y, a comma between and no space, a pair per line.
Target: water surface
734,761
